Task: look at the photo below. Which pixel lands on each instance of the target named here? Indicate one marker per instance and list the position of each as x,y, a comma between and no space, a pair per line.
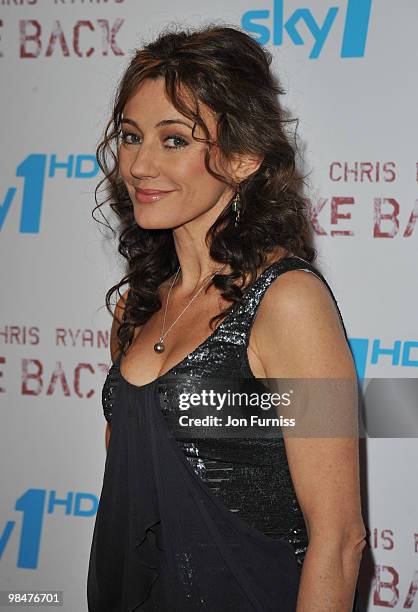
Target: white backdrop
349,67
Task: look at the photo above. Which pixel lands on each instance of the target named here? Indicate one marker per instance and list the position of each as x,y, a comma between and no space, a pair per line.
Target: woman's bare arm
114,345
298,334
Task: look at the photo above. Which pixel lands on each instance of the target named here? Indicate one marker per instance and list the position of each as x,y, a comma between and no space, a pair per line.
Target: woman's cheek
193,167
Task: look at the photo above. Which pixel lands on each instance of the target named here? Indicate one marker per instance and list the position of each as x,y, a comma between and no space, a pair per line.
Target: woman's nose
144,162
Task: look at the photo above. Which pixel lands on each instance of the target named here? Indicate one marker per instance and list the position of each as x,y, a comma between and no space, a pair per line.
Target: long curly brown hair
228,71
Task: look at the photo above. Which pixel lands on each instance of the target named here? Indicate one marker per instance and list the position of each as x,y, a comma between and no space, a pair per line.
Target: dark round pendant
159,347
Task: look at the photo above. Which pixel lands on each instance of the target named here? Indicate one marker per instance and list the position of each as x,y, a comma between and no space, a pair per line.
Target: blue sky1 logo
34,505
401,353
270,26
34,170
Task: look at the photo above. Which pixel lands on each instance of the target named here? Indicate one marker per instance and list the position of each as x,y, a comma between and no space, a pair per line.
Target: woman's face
154,156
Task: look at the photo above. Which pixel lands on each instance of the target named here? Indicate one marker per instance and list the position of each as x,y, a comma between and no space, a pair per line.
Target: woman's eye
180,142
125,136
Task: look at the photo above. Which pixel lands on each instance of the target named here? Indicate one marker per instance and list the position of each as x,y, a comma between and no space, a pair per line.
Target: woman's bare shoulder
298,331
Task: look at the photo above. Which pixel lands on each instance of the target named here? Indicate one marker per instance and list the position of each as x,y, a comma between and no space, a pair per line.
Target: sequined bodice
250,476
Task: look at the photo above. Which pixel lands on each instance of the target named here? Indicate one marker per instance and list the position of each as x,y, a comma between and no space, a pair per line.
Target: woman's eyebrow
159,124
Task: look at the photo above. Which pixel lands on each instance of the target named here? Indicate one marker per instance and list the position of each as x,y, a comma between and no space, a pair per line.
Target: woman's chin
152,222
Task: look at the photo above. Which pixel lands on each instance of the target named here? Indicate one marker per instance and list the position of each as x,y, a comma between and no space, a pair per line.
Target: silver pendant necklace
159,346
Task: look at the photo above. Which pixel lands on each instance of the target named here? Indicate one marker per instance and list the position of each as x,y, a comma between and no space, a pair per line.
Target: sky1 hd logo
35,169
34,505
281,23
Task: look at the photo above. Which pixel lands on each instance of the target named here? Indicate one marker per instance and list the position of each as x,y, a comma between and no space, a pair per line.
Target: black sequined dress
199,522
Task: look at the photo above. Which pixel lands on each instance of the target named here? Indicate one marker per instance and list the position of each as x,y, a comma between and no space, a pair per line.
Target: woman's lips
149,195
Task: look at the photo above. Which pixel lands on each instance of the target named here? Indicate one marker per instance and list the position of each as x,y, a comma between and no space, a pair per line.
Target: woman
213,229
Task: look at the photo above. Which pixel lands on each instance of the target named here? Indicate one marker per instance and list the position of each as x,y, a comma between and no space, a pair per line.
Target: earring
236,207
